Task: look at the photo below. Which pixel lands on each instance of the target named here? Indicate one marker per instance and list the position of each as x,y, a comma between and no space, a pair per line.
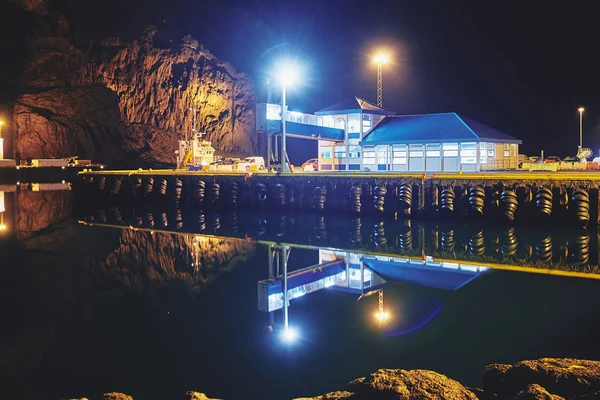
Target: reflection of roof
354,105
423,128
423,275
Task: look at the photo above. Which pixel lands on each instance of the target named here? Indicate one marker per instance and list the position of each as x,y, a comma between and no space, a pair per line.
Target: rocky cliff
124,102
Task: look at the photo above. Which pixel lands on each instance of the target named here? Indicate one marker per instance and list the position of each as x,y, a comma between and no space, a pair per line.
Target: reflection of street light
380,59
581,110
288,75
381,315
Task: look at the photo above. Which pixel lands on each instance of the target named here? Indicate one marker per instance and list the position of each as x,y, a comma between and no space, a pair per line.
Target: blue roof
354,105
422,275
433,128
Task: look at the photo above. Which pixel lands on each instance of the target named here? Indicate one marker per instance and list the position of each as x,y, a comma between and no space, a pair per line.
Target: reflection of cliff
116,102
143,259
36,211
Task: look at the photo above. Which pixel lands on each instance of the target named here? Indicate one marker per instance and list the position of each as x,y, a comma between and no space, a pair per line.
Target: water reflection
562,252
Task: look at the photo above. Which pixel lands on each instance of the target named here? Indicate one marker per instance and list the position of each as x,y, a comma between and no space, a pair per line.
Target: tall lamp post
581,110
288,75
1,141
380,60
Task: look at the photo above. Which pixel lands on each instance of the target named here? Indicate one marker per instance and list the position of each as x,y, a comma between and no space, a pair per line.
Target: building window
366,123
353,123
353,151
382,156
482,145
340,154
326,154
483,160
369,155
432,153
274,112
416,153
506,150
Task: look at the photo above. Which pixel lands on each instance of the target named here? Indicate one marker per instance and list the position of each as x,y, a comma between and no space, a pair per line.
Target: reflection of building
359,273
358,135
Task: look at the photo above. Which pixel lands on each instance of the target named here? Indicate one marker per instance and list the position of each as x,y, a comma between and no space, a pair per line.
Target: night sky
523,67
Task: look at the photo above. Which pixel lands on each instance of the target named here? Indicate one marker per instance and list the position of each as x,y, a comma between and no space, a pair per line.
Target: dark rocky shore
543,379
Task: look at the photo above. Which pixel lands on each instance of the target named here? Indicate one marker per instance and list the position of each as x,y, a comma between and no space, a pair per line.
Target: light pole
380,59
581,110
288,74
1,141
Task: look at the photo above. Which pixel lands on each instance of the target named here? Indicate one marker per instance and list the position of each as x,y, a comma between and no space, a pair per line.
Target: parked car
250,164
570,159
552,159
213,166
227,164
534,159
311,165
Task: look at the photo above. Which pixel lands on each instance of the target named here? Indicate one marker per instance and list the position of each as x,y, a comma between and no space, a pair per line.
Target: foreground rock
566,377
401,384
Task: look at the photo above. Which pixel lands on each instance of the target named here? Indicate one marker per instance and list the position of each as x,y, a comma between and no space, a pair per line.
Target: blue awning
354,105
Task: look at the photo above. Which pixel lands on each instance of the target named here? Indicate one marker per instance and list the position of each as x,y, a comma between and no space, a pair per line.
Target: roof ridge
465,124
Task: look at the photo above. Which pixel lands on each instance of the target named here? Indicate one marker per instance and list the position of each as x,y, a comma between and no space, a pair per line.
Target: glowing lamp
2,227
381,58
290,335
581,109
382,316
288,73
1,123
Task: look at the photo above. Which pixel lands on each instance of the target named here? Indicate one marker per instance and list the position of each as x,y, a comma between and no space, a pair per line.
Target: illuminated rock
402,384
117,396
566,377
197,396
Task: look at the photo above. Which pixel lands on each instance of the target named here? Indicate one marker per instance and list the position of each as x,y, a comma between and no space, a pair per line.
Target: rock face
158,87
39,210
402,384
124,103
69,121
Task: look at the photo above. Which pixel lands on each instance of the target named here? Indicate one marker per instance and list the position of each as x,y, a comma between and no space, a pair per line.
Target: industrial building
356,135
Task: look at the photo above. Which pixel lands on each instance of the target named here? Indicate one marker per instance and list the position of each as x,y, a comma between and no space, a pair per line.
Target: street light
288,75
380,59
581,110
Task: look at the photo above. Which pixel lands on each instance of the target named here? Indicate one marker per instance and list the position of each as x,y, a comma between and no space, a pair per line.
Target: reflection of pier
566,253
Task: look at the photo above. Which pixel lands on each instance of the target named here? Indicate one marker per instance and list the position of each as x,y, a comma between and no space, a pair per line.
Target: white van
250,164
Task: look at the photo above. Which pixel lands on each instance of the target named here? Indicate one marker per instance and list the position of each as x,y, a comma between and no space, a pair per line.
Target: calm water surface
158,310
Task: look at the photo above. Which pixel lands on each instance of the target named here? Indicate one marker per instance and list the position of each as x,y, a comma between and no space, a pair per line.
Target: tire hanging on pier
162,186
150,219
200,192
116,213
279,196
149,185
163,219
581,254
319,198
216,223
201,221
543,200
379,193
101,216
354,195
137,185
477,244
178,189
234,191
116,185
447,240
379,234
509,202
215,192
261,193
447,199
405,241
580,206
178,219
477,199
355,231
543,250
405,197
508,243
101,182
320,227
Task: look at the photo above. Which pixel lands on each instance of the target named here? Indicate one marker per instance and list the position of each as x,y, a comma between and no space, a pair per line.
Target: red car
311,165
552,159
